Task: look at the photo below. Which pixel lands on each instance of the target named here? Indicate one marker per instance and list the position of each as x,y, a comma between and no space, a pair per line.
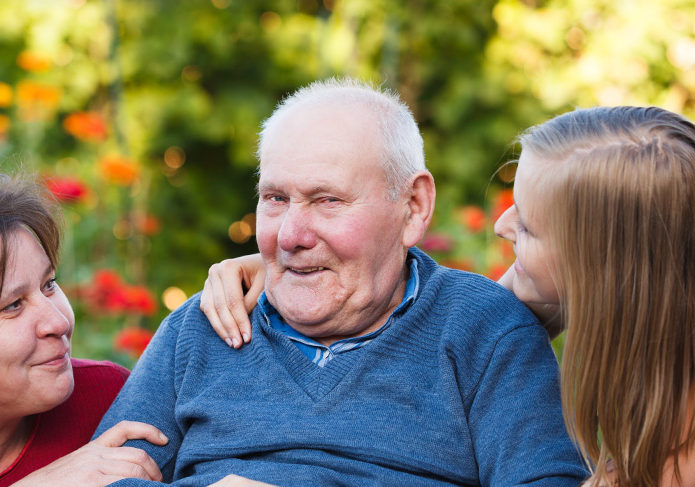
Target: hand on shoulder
224,302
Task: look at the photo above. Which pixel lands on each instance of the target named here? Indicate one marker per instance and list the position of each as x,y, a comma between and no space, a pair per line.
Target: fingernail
163,437
246,337
236,343
229,342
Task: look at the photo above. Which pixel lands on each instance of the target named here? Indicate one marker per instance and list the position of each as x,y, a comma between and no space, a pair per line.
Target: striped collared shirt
320,354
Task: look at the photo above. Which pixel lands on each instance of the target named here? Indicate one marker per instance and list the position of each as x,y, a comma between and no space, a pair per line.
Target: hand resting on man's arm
103,460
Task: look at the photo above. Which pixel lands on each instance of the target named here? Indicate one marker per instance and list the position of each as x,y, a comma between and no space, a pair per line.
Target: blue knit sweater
463,390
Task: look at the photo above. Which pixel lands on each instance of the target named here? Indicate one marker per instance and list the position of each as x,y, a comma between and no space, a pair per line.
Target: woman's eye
50,284
12,307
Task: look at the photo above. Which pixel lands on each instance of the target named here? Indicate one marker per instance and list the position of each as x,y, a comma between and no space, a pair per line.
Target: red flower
502,201
473,218
85,126
107,279
66,189
140,300
148,224
132,340
436,242
110,294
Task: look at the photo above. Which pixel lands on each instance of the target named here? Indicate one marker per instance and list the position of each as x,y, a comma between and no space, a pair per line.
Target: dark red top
69,426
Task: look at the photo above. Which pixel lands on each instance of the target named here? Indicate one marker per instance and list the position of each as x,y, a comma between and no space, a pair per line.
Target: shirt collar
412,288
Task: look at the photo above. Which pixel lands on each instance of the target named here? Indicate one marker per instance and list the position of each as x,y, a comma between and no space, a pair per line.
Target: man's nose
504,227
52,320
296,231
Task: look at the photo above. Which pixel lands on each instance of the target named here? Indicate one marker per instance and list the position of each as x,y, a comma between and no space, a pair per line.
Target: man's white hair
403,154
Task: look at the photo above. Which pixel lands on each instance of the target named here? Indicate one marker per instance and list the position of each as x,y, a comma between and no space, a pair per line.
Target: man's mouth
306,270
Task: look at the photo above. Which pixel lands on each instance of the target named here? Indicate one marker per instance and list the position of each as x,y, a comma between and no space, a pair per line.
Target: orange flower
85,126
36,101
34,61
473,218
132,340
503,200
5,95
4,124
119,170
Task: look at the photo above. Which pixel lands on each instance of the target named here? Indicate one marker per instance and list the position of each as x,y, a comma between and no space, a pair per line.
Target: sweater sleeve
516,416
149,395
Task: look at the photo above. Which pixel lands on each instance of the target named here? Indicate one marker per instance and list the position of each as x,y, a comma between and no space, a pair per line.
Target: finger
131,430
226,293
114,471
235,311
139,458
250,300
254,290
207,306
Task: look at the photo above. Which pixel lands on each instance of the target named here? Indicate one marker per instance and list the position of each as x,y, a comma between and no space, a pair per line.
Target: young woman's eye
50,284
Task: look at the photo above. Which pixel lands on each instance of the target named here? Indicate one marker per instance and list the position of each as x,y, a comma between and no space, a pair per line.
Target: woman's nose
504,227
52,320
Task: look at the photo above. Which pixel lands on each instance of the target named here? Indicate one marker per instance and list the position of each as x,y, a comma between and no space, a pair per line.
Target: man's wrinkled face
330,236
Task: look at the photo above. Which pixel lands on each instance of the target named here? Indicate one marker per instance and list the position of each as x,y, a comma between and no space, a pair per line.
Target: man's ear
421,195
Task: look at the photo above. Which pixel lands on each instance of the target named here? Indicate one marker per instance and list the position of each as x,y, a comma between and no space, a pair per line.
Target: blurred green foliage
177,91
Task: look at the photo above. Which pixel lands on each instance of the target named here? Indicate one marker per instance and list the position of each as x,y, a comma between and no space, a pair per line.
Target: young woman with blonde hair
603,228
605,197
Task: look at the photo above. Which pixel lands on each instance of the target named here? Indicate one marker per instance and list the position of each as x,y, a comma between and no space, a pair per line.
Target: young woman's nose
504,226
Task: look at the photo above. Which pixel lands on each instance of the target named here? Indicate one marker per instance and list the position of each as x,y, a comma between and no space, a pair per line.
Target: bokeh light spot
173,297
240,232
174,157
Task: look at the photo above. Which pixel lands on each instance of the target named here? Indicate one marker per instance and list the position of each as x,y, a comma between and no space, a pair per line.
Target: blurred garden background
141,118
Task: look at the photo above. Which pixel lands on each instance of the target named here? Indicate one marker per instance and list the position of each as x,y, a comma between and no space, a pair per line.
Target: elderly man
370,364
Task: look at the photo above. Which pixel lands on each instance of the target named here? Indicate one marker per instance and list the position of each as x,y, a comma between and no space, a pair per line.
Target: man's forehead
318,182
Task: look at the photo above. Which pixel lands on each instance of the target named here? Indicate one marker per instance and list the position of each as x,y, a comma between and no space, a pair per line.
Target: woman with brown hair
603,228
50,403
